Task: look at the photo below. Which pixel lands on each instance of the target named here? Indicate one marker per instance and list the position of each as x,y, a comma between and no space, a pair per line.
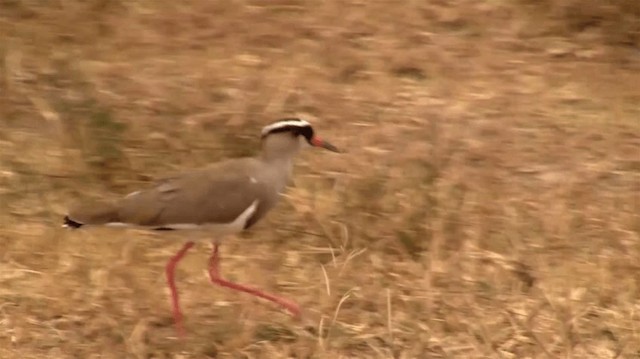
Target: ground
487,204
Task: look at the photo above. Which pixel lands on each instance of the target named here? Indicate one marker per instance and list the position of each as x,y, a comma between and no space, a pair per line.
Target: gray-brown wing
218,194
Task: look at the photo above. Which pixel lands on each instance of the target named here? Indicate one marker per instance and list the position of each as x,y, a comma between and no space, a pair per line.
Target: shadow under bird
223,198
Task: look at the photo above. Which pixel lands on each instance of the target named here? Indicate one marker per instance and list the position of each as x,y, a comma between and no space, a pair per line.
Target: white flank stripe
132,194
119,224
242,219
221,228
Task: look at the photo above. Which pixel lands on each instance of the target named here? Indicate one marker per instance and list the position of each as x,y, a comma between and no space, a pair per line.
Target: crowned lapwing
223,198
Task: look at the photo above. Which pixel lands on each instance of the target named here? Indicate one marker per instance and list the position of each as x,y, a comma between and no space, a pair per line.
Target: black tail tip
68,222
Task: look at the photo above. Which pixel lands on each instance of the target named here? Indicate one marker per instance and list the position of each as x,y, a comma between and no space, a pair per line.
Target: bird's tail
70,223
94,213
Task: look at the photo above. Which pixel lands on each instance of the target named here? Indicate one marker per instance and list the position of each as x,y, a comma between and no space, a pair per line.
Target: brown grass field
488,205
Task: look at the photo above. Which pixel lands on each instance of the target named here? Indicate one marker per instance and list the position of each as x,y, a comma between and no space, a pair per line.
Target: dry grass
488,205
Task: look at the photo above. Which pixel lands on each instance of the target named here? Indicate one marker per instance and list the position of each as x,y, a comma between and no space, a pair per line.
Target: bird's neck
280,149
283,162
278,155
278,170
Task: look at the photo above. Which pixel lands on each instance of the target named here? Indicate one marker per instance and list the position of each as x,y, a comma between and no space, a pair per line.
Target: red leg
214,274
170,270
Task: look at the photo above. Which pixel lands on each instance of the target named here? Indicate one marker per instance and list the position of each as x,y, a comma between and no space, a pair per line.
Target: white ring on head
273,126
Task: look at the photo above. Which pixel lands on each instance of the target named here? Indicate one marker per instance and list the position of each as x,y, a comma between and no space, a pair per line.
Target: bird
222,198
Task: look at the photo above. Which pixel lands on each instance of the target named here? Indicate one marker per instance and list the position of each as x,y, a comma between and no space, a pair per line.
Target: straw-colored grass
487,206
